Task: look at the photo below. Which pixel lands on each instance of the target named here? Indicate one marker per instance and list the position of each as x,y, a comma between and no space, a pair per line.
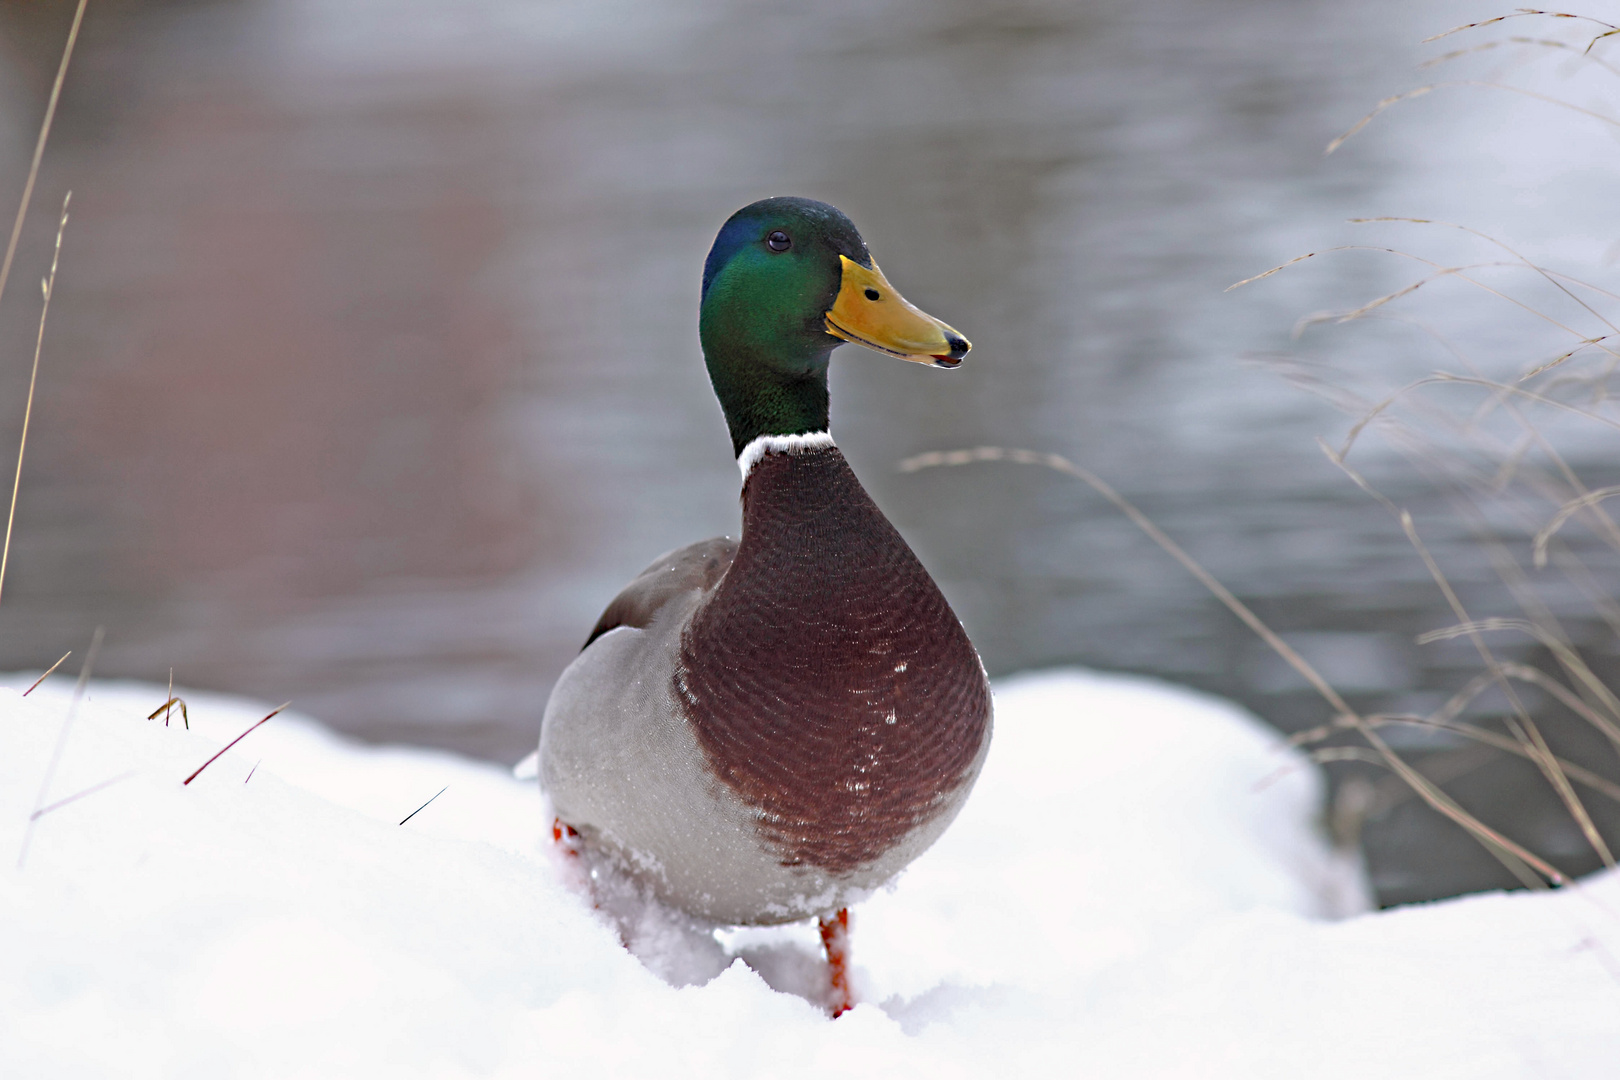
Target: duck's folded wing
697,566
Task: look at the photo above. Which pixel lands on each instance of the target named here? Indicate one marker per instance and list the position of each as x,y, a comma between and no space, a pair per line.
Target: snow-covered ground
1126,895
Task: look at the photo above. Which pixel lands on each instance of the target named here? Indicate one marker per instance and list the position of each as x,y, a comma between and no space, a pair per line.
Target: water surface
373,371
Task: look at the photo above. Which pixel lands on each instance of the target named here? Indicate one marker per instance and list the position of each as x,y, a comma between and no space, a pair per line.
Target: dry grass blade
166,706
91,790
1565,512
1352,314
1386,103
1519,14
39,146
1545,43
1061,464
421,808
1348,247
183,714
1347,753
1516,858
1607,294
1522,726
1361,424
61,741
48,673
1563,356
1445,714
1275,269
1417,92
1512,462
1566,656
1473,26
1541,680
233,742
1460,273
1529,736
1582,776
1593,697
48,286
1505,397
1503,389
1519,258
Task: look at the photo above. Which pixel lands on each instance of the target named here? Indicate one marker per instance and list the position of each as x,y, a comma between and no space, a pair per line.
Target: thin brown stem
39,146
48,672
61,742
48,287
91,790
233,742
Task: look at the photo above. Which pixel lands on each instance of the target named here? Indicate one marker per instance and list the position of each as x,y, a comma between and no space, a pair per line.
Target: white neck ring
780,444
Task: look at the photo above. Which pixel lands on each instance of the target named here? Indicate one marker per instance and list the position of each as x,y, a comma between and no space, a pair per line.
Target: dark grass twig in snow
61,743
91,790
48,672
232,743
166,706
169,704
424,806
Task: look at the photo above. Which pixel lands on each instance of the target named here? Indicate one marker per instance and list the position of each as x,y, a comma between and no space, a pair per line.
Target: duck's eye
873,294
778,241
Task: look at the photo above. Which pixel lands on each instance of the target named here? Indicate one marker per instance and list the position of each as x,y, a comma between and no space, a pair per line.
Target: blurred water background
373,370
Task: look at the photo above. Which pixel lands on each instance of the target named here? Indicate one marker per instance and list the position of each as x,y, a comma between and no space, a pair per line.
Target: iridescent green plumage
761,320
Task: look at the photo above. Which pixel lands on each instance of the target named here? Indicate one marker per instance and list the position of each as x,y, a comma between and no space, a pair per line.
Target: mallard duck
766,730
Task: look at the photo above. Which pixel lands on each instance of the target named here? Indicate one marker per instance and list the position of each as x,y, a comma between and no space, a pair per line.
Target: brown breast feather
826,678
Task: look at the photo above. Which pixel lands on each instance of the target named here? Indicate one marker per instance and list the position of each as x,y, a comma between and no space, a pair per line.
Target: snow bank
1118,899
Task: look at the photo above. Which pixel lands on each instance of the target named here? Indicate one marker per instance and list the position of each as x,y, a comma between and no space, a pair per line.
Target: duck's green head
787,281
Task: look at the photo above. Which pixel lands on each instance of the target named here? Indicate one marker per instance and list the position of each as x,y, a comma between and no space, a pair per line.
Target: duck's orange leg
566,837
576,871
835,939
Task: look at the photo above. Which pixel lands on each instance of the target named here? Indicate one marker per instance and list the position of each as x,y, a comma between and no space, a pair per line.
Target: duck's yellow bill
868,311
